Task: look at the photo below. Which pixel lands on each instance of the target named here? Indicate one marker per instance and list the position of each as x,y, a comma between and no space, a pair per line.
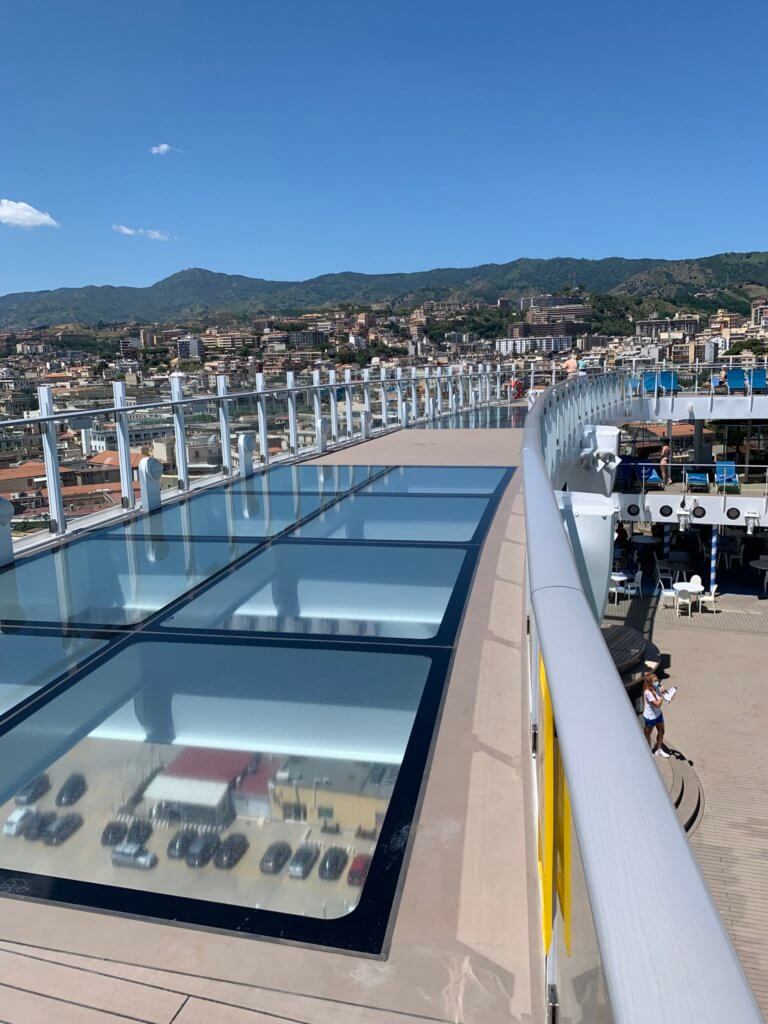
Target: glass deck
280,685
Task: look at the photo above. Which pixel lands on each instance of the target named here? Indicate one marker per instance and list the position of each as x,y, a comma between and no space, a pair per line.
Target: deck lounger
726,477
758,380
634,383
649,382
697,481
668,381
650,477
737,380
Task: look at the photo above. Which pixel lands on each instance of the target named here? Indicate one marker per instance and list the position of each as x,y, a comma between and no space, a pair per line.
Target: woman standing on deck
653,698
664,462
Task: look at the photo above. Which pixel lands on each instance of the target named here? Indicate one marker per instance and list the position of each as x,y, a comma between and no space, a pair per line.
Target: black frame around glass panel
365,929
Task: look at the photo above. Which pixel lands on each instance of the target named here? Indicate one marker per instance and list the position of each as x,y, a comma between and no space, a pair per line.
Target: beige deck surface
718,720
465,945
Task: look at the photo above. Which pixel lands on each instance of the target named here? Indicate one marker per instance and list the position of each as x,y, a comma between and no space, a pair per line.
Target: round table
694,589
619,577
626,646
761,564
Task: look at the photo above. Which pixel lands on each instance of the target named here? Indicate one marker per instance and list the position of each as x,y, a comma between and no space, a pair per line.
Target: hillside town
80,366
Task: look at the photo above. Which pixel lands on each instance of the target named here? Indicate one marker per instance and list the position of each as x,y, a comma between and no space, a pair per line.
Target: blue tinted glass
494,418
280,742
329,588
29,662
108,581
438,480
224,513
317,478
363,517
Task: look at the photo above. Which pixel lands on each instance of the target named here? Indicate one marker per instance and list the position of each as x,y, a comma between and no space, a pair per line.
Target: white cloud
22,215
153,233
161,150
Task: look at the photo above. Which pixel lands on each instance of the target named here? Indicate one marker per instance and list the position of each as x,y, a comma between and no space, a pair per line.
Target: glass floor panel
107,581
288,739
438,480
336,589
372,517
312,479
28,662
224,513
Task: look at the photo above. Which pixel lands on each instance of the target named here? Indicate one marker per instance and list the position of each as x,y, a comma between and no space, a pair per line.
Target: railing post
348,400
50,439
367,397
498,383
180,439
414,393
334,406
438,391
123,445
450,394
293,419
317,405
404,415
150,474
427,394
383,393
399,385
224,440
261,402
6,536
245,447
365,424
472,394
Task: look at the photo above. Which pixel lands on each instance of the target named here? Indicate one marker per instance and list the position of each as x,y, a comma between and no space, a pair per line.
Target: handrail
665,953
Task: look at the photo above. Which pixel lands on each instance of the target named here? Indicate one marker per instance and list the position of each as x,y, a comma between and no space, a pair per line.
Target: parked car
72,790
180,843
275,858
133,855
333,863
358,869
230,850
34,829
139,832
17,820
201,849
113,833
61,829
33,790
303,860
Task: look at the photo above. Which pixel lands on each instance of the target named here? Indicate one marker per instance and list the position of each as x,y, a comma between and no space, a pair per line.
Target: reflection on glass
332,589
364,517
438,480
287,746
500,417
29,662
226,513
111,582
315,478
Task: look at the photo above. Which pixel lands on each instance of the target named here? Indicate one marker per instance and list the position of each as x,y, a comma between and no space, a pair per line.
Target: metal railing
306,419
631,931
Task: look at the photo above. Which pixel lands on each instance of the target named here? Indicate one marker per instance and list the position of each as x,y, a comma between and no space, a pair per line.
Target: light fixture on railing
752,519
683,518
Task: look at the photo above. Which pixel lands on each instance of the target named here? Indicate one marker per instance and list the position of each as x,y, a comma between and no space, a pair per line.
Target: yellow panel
545,769
563,848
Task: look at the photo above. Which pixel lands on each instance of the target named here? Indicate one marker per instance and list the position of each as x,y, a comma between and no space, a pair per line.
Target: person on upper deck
653,699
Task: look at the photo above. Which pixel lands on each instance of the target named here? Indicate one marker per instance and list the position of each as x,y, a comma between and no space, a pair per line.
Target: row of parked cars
301,862
33,824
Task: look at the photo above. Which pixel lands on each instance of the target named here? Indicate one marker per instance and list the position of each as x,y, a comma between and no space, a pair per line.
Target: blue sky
318,137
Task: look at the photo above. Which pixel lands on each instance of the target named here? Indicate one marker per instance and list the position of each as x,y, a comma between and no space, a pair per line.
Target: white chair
613,590
665,593
634,588
665,573
683,600
708,600
736,556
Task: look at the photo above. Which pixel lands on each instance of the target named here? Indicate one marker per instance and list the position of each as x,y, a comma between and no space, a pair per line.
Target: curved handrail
665,953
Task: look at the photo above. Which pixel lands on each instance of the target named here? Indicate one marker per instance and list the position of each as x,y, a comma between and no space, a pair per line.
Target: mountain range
195,292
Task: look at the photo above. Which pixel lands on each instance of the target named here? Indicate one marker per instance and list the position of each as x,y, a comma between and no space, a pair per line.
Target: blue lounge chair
697,481
650,476
634,383
757,380
668,381
649,382
726,477
737,380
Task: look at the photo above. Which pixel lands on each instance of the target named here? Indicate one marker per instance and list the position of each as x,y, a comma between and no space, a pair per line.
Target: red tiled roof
257,783
211,765
112,458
